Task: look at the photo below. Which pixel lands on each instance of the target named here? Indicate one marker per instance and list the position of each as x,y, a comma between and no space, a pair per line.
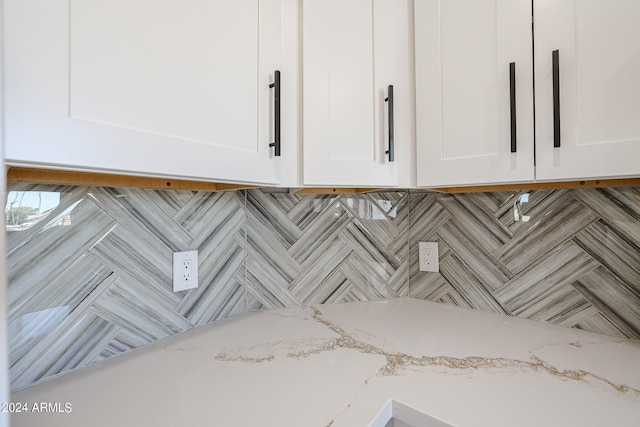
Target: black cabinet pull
276,95
555,55
512,83
389,99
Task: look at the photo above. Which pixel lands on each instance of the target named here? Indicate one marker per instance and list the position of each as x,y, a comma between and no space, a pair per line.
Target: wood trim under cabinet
311,190
543,185
62,177
51,176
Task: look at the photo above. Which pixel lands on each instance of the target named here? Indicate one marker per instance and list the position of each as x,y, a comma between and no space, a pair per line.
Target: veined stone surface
337,365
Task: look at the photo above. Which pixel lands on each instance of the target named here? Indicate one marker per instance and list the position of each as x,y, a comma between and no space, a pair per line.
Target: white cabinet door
463,97
598,46
349,57
150,87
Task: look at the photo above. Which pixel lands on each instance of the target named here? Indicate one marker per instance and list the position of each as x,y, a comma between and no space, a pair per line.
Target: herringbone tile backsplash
567,257
90,273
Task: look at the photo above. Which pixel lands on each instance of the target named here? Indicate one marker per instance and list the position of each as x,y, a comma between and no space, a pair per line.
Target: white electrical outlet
428,256
185,270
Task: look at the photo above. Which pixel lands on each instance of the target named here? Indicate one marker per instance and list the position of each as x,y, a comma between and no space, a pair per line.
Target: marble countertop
338,365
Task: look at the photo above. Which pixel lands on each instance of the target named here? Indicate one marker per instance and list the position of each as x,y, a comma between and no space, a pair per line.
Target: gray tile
574,263
558,268
619,304
470,287
93,278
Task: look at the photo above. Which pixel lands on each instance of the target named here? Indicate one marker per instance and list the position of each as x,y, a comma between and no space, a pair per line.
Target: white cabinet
463,91
149,87
598,46
352,51
463,51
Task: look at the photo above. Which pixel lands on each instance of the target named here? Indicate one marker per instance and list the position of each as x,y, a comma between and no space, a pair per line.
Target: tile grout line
408,254
244,249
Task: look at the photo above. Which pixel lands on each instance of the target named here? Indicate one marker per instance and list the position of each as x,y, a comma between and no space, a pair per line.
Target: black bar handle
555,55
512,84
276,86
389,99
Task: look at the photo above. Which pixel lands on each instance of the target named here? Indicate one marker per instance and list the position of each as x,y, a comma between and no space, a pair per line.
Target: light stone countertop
337,365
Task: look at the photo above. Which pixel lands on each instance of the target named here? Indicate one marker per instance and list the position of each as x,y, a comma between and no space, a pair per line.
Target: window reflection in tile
24,209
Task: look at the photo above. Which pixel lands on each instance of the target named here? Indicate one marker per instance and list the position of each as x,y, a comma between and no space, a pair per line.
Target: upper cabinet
371,93
474,92
356,92
588,120
474,89
152,87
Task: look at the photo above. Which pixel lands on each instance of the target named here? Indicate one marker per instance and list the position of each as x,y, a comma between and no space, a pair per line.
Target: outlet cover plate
185,270
428,256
